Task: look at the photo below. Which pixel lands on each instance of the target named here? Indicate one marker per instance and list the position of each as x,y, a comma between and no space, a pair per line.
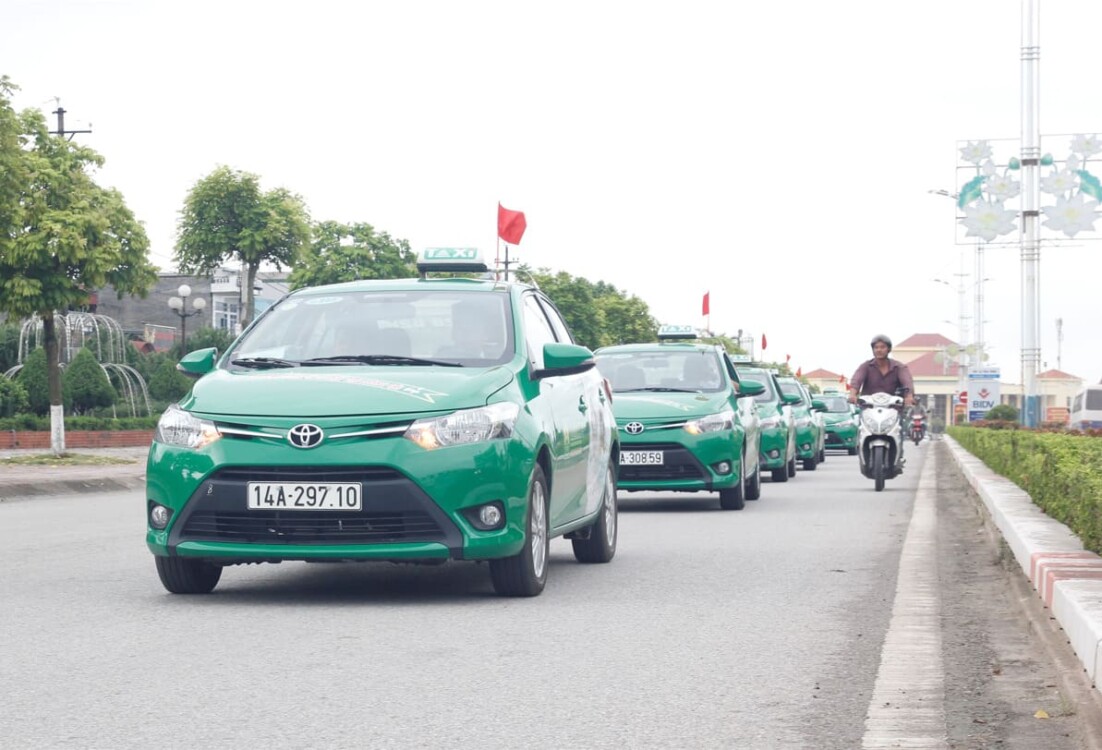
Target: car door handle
583,407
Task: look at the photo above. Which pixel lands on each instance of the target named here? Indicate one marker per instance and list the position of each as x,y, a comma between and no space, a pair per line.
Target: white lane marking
908,701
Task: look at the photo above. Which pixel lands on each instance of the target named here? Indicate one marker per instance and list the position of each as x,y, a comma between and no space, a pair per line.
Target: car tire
791,468
525,573
780,475
186,575
733,498
851,451
822,454
810,464
753,488
600,545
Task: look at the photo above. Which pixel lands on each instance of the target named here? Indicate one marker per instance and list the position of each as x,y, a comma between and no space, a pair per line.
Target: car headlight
184,429
465,427
771,422
725,420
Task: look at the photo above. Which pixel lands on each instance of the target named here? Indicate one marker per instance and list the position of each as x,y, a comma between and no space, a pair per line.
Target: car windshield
688,370
766,396
791,389
383,328
836,404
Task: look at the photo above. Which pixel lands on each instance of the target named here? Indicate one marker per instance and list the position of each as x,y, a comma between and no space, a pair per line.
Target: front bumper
412,508
774,447
841,436
690,462
807,442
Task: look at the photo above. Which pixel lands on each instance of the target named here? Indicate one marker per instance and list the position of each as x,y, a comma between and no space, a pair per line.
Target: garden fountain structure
106,340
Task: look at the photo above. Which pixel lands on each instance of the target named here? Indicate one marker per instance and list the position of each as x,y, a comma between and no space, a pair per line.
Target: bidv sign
983,392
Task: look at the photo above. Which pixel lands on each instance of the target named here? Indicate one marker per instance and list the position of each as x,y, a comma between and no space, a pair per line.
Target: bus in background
1086,409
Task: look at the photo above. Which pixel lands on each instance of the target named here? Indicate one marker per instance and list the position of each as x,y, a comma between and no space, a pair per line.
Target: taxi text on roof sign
456,259
450,253
677,332
741,358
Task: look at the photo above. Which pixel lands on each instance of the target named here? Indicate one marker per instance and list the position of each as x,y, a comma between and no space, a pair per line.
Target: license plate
305,495
641,458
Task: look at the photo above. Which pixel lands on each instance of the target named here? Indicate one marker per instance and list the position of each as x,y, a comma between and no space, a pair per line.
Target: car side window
537,330
562,333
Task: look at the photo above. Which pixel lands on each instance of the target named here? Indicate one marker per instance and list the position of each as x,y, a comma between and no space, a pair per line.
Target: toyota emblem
634,428
305,436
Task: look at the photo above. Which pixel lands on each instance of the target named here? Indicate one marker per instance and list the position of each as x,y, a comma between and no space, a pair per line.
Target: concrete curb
1067,578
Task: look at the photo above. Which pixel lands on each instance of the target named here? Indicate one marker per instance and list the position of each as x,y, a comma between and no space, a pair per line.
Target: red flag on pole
705,310
799,372
787,357
763,342
510,225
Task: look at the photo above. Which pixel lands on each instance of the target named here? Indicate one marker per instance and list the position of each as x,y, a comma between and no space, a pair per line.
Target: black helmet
881,337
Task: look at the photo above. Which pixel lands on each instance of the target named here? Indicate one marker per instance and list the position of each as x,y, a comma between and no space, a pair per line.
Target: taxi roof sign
677,332
456,259
741,359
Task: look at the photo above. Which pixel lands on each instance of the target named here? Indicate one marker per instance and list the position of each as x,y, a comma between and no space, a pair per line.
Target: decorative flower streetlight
178,305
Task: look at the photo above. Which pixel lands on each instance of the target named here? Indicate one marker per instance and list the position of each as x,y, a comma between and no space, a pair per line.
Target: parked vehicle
778,429
810,429
840,421
881,437
417,420
686,423
1086,409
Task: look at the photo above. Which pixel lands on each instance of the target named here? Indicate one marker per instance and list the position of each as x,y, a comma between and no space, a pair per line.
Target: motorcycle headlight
181,428
880,421
725,420
465,427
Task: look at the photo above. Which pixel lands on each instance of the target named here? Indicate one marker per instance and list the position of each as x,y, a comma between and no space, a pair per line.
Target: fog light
490,516
805,447
158,516
774,454
723,467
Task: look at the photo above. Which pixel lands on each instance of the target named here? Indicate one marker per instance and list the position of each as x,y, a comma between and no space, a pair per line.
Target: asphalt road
761,628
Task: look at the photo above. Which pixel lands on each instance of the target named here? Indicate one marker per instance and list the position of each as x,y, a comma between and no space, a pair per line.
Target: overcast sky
777,154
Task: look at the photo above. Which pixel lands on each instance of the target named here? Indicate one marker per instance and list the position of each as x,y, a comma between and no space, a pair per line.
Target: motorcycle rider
919,411
882,374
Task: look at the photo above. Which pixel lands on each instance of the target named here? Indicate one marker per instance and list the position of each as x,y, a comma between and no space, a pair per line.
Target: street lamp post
179,306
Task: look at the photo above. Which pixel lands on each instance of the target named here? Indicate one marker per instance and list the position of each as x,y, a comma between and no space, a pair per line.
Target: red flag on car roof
510,225
704,308
763,342
799,372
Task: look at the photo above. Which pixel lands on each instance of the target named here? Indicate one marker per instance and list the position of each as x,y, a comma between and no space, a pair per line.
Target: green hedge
35,423
1062,473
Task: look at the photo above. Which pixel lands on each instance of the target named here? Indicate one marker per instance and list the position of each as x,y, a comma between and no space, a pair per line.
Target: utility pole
1031,194
1059,342
60,112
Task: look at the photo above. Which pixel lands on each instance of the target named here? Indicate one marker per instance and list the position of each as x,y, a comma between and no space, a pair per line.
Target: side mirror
790,399
565,359
817,405
198,363
749,388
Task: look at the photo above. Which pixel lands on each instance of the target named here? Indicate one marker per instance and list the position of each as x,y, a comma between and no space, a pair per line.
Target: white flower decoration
1003,187
1071,215
988,220
1087,145
988,168
1060,182
976,152
1072,164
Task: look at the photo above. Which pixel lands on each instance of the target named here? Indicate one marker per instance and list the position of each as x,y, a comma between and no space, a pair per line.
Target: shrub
206,337
86,384
13,397
1001,412
33,378
168,383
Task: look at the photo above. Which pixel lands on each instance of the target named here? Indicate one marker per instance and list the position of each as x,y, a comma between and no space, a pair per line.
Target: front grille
313,527
395,509
679,464
833,437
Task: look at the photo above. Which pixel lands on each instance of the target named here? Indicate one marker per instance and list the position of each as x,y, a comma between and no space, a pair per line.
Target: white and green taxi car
417,420
686,422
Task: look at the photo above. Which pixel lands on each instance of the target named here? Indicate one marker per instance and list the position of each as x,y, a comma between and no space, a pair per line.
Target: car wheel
810,464
780,475
753,487
525,573
185,575
791,469
733,497
822,454
600,545
851,451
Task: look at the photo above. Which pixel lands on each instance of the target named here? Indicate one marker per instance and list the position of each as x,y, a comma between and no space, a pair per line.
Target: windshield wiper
263,363
376,359
658,389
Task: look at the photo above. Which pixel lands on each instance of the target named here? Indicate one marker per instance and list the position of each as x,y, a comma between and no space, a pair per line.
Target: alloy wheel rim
538,530
610,509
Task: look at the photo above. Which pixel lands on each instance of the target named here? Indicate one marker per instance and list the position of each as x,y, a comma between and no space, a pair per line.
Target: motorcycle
880,437
918,428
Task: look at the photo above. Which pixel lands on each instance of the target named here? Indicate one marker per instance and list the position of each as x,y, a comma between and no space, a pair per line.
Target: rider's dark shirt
868,379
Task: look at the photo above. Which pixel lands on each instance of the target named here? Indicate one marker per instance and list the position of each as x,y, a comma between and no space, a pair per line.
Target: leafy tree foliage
35,380
9,346
13,397
168,384
598,314
227,217
207,337
1004,412
61,234
87,384
346,252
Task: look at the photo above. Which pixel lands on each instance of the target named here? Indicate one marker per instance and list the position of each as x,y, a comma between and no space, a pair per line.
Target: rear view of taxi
684,425
418,420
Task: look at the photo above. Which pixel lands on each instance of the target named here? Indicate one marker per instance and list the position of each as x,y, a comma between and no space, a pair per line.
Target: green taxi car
685,423
840,423
418,420
778,429
810,430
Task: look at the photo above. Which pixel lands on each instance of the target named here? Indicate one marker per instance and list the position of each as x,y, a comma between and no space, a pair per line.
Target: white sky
776,154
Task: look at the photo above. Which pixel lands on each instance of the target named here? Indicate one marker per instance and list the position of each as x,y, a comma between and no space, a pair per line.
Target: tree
346,252
598,314
207,337
227,217
1002,411
63,235
34,378
87,384
168,383
13,398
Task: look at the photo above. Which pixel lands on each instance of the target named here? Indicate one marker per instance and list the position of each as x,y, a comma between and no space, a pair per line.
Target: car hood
836,418
667,405
343,391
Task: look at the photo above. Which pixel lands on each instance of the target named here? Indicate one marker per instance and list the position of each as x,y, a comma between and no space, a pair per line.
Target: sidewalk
1067,578
28,480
